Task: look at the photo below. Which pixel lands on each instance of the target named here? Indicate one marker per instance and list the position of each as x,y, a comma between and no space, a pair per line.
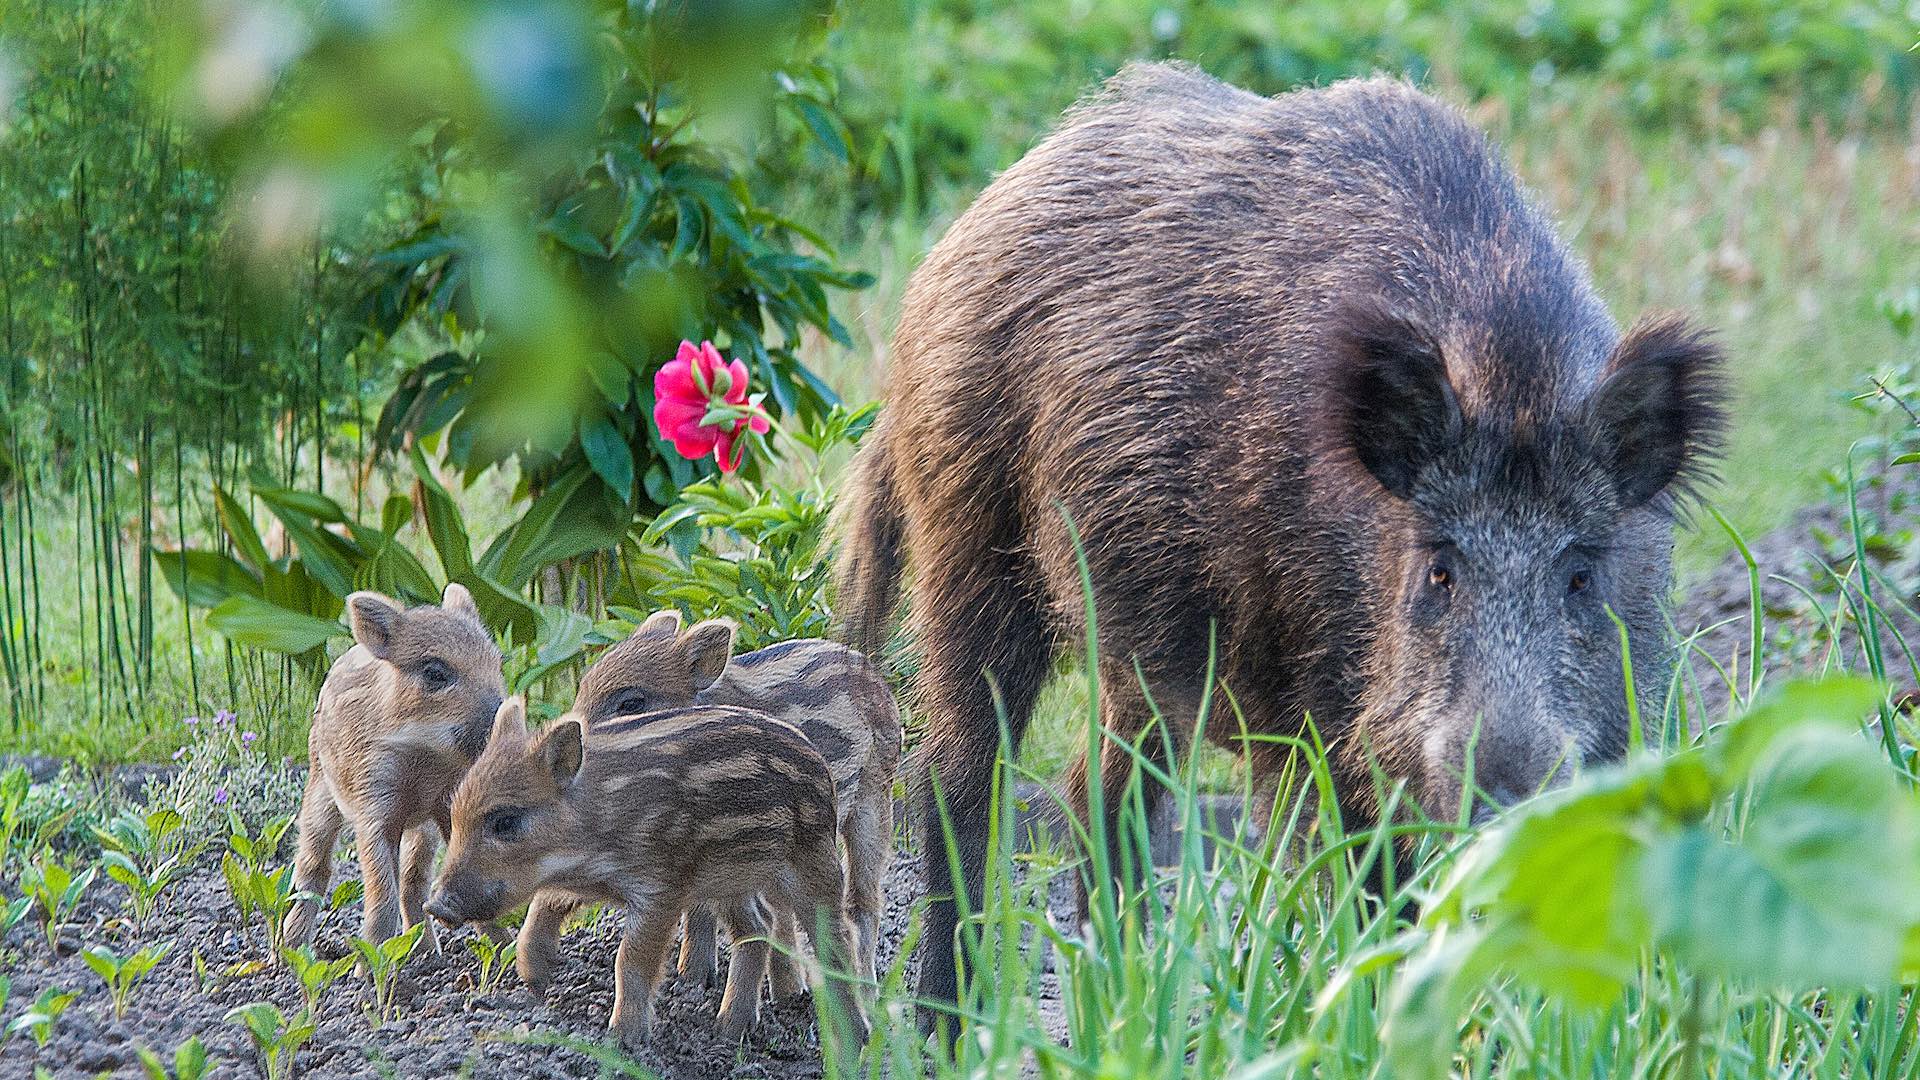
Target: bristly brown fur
1314,378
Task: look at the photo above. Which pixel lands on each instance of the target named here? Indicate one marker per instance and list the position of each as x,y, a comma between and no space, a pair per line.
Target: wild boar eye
435,675
505,824
633,701
1578,581
1440,576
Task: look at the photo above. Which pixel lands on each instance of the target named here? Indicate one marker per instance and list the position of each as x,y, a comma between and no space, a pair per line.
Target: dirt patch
440,1025
1809,625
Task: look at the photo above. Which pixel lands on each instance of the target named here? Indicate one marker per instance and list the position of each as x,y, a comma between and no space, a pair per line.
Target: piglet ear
562,750
375,620
1394,405
661,624
709,646
510,721
1658,415
457,598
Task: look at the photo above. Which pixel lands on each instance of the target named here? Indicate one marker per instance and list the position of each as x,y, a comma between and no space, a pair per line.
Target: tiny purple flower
180,753
219,796
247,737
223,717
192,721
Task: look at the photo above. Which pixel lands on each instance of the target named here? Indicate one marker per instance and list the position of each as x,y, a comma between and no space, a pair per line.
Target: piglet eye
505,824
1578,581
630,703
436,675
1439,576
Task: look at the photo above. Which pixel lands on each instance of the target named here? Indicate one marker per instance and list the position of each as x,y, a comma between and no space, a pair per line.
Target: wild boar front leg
699,947
416,872
379,846
643,950
320,822
540,938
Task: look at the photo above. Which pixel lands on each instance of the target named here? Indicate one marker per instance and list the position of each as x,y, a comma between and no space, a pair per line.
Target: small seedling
40,1019
12,913
382,963
347,892
315,974
267,894
495,957
55,890
276,1037
146,853
122,975
190,1062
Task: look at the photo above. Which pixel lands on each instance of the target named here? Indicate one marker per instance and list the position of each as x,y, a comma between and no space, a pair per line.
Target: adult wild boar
1314,374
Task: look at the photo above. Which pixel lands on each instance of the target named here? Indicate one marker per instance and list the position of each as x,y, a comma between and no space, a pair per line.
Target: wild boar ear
660,624
1395,407
510,720
457,598
375,620
709,646
1658,415
562,751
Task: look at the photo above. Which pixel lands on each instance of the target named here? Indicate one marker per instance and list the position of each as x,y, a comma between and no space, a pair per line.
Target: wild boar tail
870,527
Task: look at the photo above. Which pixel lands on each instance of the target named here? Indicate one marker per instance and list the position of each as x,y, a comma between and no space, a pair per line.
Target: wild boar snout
455,902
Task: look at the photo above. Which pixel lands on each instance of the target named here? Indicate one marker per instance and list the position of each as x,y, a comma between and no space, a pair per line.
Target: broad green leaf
1841,701
445,526
608,453
239,528
248,620
205,578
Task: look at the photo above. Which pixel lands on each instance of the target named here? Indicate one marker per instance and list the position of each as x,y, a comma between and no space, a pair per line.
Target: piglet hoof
632,1035
733,1030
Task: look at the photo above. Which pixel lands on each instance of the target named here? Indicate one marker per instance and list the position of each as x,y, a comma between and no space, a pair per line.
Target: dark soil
439,1027
1811,554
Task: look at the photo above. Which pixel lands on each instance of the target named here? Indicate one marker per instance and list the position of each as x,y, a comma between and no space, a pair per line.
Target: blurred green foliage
938,93
566,208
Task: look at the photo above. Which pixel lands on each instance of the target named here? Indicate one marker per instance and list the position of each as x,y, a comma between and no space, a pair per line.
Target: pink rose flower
701,404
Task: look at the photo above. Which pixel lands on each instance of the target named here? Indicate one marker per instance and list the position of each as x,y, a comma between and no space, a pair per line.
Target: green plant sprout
190,1062
39,1020
122,974
382,963
496,959
313,973
55,890
276,1037
146,854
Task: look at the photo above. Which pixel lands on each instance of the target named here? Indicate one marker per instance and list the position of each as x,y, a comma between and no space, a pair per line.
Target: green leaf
239,528
204,578
608,453
248,620
825,127
445,526
1821,888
